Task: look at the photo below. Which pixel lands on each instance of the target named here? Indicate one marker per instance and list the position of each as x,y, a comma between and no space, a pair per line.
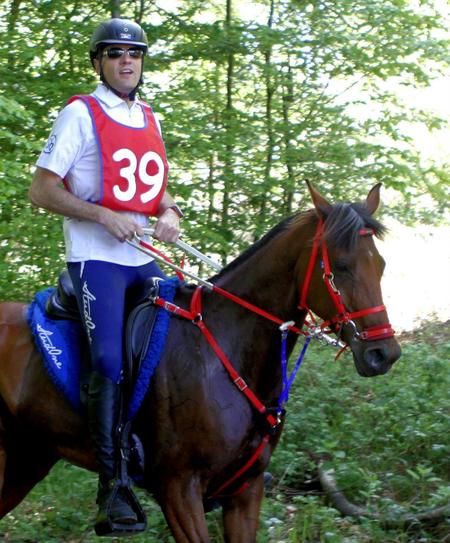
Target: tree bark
270,90
228,122
115,8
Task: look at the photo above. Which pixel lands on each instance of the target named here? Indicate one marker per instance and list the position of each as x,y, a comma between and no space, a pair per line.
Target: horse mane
343,224
342,228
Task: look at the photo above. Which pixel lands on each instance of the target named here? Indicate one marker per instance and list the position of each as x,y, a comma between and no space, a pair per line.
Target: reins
272,416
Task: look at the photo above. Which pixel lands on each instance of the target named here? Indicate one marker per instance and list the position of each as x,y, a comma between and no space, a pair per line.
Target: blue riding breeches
106,293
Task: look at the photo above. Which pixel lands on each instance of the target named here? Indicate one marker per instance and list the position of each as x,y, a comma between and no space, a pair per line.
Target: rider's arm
167,227
48,192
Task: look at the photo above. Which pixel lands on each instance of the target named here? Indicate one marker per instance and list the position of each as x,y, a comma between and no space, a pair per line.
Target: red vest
133,162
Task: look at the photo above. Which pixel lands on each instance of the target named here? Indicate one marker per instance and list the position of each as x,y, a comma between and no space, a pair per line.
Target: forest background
255,98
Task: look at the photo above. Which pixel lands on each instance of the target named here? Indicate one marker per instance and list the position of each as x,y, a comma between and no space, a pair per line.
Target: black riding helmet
118,31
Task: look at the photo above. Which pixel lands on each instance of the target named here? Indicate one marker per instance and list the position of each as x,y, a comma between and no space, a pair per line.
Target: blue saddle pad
62,342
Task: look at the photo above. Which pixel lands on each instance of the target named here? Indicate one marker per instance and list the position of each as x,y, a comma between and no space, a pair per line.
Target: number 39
129,171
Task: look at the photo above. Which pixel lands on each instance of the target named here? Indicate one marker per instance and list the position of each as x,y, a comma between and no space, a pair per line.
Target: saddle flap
139,329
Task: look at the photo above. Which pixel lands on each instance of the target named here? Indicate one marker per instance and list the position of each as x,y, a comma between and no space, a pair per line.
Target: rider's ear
322,206
373,199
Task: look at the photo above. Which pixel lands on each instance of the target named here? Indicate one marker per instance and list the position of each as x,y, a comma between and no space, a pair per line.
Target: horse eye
341,267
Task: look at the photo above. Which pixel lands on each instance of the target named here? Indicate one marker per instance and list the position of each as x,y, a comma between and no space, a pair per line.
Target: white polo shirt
72,153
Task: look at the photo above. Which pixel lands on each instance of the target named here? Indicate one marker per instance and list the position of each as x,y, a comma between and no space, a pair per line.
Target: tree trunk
396,520
115,8
270,90
288,98
13,15
228,122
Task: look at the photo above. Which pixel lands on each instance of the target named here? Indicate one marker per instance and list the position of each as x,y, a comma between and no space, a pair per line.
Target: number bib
133,162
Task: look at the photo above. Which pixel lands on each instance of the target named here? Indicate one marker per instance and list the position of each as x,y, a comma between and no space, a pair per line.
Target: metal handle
135,243
188,249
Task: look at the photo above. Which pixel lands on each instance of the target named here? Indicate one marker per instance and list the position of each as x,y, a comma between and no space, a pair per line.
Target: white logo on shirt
50,144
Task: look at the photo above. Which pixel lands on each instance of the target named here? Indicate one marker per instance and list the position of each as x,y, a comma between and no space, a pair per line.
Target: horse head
341,281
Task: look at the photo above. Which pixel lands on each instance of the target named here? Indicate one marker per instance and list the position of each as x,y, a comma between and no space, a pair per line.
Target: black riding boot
103,417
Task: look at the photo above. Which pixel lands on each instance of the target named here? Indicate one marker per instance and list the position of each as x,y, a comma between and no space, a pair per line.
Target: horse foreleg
22,466
241,514
182,505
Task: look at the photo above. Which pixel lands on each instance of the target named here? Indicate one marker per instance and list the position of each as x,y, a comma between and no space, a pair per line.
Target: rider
107,151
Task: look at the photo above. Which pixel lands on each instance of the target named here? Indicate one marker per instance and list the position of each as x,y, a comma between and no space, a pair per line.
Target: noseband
342,317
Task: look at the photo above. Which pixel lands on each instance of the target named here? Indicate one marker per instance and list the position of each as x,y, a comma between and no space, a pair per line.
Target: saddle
62,304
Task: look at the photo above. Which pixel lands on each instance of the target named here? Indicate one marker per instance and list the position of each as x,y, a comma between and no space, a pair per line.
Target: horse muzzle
374,357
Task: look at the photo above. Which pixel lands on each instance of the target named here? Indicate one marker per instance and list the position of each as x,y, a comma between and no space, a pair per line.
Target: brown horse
196,426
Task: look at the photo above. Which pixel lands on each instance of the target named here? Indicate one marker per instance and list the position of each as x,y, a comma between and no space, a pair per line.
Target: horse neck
268,280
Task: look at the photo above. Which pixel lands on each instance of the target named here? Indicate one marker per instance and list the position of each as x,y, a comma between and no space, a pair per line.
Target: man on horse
107,150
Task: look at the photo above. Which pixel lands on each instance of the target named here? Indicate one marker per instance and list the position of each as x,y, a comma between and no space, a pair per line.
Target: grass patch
387,439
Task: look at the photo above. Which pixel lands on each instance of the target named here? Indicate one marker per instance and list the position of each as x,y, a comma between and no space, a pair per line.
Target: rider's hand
119,225
167,228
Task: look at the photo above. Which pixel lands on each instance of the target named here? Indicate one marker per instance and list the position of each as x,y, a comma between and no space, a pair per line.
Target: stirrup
105,525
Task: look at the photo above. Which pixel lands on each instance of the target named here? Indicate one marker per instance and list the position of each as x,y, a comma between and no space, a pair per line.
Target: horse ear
373,199
321,205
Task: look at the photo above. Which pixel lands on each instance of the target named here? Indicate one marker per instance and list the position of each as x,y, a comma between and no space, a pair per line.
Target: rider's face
121,72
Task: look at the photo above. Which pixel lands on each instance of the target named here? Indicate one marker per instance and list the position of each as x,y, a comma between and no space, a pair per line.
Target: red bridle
372,333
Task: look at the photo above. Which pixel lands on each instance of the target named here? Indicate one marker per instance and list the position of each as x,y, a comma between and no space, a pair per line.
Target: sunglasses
117,52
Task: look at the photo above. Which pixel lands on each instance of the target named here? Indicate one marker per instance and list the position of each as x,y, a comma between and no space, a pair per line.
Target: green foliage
395,407
387,438
251,108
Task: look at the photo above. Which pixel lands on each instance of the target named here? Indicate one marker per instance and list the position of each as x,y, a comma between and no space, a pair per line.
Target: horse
197,426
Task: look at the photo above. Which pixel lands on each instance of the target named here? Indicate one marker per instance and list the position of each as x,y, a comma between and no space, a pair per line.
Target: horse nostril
376,360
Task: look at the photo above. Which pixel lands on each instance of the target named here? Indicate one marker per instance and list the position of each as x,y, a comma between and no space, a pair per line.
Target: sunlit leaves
250,107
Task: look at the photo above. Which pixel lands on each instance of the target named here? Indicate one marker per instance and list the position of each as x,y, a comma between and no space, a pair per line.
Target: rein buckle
278,414
197,319
286,325
240,383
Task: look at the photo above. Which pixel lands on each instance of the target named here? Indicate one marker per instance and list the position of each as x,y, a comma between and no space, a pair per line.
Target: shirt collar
110,99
